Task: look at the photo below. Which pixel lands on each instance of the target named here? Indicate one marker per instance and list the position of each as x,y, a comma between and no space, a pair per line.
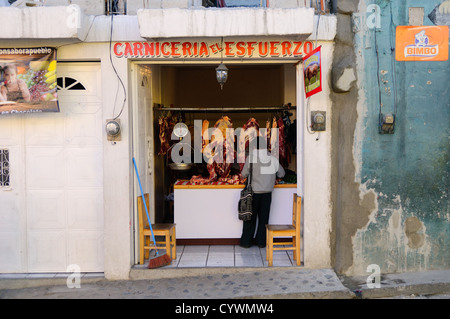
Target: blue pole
145,205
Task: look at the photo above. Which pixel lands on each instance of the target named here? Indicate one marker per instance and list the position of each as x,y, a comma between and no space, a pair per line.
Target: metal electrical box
318,120
387,123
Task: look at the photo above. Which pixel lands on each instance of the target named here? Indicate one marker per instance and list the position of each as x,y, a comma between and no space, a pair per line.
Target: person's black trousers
261,211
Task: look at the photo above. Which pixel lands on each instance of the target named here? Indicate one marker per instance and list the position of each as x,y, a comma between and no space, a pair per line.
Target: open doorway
189,92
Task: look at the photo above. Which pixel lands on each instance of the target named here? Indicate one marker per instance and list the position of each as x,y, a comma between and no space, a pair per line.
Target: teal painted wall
409,171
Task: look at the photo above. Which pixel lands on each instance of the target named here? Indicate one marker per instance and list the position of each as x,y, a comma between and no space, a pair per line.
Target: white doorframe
142,142
147,125
301,116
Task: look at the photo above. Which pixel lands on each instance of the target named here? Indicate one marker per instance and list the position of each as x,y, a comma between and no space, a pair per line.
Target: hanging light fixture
221,74
221,70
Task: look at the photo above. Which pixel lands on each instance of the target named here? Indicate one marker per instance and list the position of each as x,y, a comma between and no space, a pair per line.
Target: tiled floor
228,256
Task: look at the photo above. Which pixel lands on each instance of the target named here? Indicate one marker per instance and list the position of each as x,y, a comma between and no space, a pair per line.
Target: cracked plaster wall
390,193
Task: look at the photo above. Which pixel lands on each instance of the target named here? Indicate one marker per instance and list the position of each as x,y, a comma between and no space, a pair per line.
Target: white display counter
210,211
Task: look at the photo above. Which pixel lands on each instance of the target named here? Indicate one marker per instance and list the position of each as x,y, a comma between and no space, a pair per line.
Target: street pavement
232,283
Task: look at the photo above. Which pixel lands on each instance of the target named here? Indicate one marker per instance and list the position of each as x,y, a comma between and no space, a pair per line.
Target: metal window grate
4,168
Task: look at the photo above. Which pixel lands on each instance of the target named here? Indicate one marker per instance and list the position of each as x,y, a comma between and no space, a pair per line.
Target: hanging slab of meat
205,136
164,134
251,123
219,167
212,171
222,124
274,139
245,139
223,169
229,155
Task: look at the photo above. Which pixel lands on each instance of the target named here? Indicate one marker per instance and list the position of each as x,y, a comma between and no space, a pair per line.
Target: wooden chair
145,235
292,231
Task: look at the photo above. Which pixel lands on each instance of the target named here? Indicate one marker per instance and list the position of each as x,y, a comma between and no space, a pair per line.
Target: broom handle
145,204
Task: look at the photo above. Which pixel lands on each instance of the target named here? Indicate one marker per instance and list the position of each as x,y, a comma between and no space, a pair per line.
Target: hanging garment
292,136
284,157
164,134
221,3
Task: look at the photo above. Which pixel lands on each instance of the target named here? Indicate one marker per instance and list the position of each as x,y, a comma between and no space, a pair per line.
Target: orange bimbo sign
421,43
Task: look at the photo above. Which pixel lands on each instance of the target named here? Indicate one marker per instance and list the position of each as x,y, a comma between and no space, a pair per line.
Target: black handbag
245,206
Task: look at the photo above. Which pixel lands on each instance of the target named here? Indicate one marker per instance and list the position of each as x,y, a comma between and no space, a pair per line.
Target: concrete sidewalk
229,283
402,284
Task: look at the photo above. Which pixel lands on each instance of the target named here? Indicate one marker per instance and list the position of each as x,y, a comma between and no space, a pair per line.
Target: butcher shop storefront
182,100
168,88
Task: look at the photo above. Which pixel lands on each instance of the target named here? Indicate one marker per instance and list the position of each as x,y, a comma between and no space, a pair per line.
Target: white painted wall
61,22
314,186
117,164
52,213
216,22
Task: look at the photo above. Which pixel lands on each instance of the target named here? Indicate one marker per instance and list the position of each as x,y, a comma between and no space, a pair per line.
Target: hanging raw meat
222,124
223,169
274,140
246,138
219,167
211,167
164,134
205,137
251,123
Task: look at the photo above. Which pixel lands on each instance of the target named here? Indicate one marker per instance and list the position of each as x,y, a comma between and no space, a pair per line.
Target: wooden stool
145,235
292,231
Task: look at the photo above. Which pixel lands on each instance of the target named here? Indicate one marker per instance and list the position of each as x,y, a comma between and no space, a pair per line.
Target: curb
405,289
61,280
398,284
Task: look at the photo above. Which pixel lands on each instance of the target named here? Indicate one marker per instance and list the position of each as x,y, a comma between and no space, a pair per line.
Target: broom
158,260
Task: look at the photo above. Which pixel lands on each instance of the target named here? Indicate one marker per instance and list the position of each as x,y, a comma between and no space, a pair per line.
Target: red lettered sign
202,49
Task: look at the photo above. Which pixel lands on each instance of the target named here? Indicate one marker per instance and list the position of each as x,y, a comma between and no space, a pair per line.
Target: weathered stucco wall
391,190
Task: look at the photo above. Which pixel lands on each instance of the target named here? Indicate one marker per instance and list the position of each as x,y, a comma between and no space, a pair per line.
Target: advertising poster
421,43
312,72
28,80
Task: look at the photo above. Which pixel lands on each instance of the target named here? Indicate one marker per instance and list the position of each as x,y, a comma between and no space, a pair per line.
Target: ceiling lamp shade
221,74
